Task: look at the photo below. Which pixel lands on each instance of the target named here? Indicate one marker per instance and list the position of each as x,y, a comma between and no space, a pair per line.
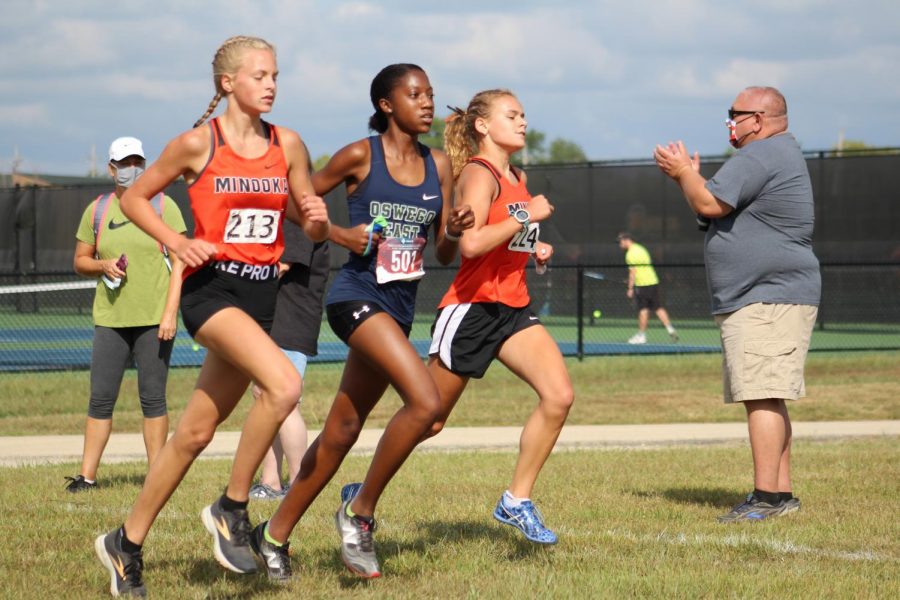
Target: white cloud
356,10
28,115
612,77
742,72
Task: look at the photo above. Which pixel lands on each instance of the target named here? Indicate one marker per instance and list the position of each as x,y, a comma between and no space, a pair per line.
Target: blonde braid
227,61
209,111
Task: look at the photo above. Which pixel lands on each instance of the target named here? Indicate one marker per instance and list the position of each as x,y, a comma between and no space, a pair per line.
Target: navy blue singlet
409,210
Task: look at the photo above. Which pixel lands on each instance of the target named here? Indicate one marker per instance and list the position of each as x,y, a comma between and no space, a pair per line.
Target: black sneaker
231,537
276,559
789,506
79,484
751,509
125,569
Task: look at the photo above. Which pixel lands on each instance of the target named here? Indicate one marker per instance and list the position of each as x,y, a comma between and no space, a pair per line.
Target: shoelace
241,528
282,555
366,543
134,570
74,480
532,517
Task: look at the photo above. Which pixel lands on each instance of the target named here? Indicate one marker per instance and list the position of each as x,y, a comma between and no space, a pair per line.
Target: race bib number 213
252,226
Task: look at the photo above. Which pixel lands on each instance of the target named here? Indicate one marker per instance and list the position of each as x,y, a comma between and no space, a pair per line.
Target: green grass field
608,390
636,523
633,523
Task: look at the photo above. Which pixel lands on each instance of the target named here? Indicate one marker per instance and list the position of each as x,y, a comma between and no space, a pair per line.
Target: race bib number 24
525,239
251,226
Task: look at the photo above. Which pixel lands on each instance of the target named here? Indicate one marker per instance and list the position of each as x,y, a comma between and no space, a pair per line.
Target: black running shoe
125,569
277,559
789,506
751,509
231,537
79,484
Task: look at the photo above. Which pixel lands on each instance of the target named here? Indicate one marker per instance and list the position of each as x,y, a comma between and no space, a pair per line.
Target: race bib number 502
399,259
251,226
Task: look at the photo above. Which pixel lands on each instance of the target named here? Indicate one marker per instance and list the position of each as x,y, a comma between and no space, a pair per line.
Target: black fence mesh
582,297
48,326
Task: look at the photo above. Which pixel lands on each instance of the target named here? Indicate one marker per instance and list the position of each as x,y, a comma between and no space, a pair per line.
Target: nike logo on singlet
427,197
114,225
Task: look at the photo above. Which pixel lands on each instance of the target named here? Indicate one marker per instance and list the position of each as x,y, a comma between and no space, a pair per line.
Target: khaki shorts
764,349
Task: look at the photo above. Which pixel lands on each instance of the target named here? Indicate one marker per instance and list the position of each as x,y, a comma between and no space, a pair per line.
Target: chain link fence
45,321
581,298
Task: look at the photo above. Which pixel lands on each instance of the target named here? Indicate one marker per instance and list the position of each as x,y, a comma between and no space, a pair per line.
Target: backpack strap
101,207
158,202
98,217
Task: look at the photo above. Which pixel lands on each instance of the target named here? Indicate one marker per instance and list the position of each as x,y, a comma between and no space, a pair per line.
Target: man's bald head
771,102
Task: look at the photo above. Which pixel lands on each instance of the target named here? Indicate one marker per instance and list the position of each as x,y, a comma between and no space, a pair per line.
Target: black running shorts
467,337
345,317
209,290
647,296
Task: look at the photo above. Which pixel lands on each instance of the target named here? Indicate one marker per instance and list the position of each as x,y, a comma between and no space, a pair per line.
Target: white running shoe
638,338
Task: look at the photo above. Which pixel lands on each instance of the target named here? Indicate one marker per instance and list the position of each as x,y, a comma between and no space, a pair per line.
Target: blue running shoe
527,519
349,491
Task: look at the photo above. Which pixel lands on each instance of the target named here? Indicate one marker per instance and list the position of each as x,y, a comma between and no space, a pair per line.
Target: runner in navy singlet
403,188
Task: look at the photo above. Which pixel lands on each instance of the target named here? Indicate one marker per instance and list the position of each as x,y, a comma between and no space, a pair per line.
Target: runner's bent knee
283,393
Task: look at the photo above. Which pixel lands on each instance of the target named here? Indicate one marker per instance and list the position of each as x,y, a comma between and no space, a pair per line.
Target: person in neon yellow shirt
643,286
135,310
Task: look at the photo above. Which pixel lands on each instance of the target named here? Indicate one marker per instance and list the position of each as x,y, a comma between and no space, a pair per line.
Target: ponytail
457,145
460,138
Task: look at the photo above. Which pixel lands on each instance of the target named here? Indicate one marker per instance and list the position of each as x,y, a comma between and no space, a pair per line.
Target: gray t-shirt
762,250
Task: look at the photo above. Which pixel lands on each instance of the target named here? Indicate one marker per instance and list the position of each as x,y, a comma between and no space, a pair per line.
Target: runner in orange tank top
498,275
228,298
485,314
238,202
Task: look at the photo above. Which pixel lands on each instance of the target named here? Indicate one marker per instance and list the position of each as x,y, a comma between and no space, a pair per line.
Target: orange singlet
239,203
499,275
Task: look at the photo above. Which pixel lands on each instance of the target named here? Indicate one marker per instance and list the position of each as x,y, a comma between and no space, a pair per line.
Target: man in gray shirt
763,279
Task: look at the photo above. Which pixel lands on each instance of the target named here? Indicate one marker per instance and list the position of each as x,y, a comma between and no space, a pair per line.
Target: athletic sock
772,498
127,545
269,538
349,512
230,505
670,329
511,501
785,496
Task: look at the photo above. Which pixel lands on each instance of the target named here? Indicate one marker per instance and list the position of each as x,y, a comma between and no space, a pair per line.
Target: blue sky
614,77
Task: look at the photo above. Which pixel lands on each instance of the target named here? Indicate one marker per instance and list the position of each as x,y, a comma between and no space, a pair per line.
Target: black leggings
114,348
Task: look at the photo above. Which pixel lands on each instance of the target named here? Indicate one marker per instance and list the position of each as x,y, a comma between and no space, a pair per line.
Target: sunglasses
735,113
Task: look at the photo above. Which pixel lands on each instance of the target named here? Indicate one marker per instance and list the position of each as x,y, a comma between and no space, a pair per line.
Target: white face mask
125,176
